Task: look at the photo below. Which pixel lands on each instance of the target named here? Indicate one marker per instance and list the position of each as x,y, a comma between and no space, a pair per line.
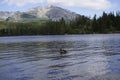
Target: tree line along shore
107,23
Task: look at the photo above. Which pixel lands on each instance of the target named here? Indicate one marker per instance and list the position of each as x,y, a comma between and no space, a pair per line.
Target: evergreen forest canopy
107,23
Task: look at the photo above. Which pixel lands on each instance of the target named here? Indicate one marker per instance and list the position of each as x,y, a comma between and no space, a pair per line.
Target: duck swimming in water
62,51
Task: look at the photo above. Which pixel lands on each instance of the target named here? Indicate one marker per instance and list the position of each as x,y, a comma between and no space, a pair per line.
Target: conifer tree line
107,23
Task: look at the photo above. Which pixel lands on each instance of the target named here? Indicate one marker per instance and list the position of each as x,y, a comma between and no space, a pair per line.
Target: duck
62,51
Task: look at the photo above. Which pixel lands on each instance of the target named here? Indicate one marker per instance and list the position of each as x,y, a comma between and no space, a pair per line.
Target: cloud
89,4
21,3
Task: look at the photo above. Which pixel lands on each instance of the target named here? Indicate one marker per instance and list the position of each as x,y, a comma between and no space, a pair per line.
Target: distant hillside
39,14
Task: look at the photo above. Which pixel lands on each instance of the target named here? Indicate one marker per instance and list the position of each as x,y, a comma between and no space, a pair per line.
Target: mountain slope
5,15
57,13
42,14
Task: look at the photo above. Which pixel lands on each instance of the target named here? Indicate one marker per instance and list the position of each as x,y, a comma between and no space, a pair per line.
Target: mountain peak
39,13
51,6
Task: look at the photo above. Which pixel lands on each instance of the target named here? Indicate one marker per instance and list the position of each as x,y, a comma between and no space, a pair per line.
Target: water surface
89,57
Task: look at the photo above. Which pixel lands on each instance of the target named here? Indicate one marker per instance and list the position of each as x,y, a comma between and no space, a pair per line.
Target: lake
89,57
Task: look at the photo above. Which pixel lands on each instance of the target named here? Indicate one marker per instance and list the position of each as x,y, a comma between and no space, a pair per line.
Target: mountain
53,13
5,15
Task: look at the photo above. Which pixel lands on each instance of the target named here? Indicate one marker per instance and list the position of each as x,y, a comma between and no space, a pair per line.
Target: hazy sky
84,7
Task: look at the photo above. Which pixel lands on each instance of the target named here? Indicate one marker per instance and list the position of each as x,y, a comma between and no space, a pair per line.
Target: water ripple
89,57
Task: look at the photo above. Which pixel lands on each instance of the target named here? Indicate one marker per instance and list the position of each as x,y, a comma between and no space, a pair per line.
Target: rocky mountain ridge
53,13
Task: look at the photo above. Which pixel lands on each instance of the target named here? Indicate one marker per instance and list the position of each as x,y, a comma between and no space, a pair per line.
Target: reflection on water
89,57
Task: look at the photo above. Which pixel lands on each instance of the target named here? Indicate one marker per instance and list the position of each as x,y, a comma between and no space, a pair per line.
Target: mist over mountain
46,13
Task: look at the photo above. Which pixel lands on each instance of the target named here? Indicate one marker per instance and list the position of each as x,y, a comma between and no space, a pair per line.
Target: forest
106,23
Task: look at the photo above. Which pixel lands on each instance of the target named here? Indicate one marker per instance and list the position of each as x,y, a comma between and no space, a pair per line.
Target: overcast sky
84,7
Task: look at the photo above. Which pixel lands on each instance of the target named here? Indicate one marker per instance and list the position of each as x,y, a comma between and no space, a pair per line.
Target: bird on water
62,51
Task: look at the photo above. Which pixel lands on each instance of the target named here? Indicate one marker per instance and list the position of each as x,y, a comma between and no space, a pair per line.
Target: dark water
89,57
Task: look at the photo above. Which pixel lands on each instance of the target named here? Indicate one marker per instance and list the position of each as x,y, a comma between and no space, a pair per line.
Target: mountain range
46,13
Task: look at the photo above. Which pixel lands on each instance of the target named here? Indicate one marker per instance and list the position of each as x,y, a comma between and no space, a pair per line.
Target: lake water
89,57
